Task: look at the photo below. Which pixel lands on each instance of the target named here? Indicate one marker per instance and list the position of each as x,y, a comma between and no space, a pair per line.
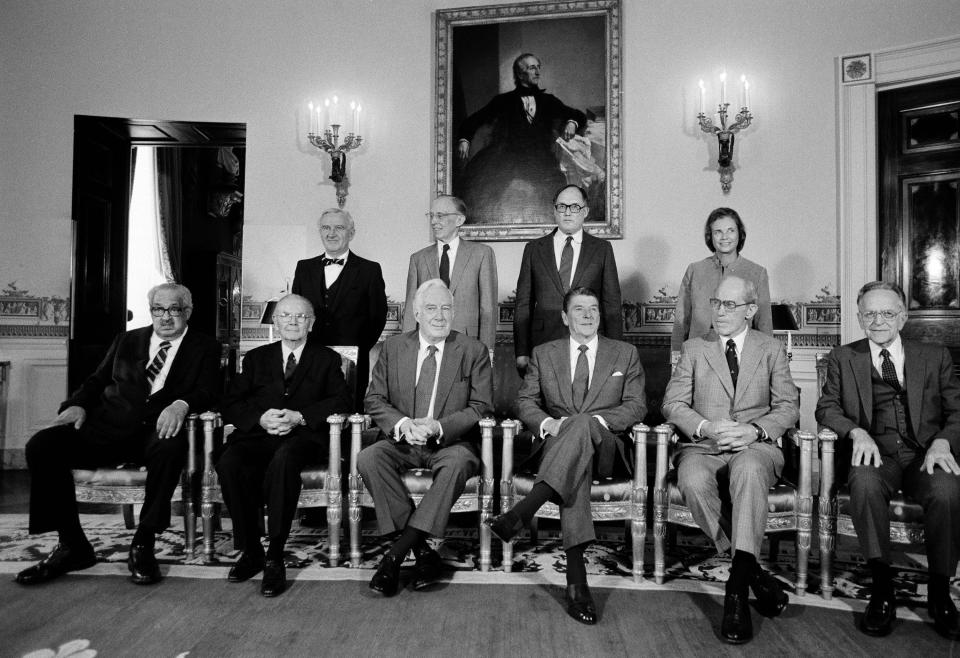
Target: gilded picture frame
507,177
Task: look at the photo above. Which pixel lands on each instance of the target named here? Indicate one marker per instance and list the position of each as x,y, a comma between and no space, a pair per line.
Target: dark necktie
566,263
428,373
290,367
732,363
445,266
581,378
888,371
157,364
331,261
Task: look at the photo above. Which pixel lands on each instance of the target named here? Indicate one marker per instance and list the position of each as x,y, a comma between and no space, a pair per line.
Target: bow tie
331,261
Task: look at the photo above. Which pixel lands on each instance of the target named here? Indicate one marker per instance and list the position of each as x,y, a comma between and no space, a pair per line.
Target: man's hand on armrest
73,415
170,420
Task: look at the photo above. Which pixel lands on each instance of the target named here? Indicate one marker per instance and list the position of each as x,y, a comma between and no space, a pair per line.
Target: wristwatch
303,421
762,435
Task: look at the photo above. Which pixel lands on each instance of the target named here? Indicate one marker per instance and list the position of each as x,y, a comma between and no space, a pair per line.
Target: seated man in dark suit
732,396
578,391
279,405
895,405
428,392
131,409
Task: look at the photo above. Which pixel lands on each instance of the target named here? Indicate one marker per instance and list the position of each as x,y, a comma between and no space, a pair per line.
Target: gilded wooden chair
322,485
790,500
906,515
125,485
613,499
477,495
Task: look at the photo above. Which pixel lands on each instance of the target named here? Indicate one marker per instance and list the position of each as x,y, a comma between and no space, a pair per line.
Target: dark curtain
170,208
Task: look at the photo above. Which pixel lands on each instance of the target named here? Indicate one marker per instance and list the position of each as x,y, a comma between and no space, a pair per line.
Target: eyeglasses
339,228
727,304
440,215
289,317
562,208
174,311
887,316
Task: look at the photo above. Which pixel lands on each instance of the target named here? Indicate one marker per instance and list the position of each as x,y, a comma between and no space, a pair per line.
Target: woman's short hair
719,213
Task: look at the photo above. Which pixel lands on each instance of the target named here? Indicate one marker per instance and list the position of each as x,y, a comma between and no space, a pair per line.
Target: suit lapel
407,371
749,362
718,361
141,356
602,369
180,361
432,262
350,271
863,375
548,260
449,369
464,253
559,355
914,373
587,248
300,372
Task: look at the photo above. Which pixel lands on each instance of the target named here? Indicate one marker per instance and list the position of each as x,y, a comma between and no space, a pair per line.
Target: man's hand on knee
865,449
171,419
72,416
938,454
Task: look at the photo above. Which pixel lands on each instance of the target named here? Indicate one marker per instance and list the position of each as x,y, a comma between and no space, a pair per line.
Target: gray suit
464,395
701,389
565,462
473,283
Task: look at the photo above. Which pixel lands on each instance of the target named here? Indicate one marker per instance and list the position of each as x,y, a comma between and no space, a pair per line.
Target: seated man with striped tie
578,393
428,392
131,409
279,405
731,397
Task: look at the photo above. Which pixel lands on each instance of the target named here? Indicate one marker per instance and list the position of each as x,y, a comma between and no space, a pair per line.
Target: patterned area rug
691,560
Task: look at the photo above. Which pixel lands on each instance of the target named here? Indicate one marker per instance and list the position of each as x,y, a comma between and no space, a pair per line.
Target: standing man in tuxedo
131,409
569,257
347,294
732,397
578,394
469,270
429,390
279,405
895,404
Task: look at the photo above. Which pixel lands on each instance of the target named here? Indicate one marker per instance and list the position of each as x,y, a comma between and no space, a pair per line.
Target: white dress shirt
451,253
155,341
332,272
559,240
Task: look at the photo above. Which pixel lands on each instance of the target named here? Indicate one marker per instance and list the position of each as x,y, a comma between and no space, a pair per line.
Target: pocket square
617,374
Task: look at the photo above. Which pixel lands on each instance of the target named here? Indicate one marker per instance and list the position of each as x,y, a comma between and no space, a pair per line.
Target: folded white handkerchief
617,374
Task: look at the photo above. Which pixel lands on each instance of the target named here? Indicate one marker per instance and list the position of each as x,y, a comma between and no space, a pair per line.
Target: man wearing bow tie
279,405
519,164
579,393
347,293
131,409
731,397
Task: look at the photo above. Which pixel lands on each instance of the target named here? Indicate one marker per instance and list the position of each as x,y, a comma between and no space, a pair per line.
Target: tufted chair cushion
124,475
605,491
418,480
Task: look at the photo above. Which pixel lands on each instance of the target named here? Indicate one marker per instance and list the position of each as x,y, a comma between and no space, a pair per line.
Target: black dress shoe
580,604
736,627
429,569
505,526
245,568
771,599
61,560
946,621
274,578
878,618
387,578
144,569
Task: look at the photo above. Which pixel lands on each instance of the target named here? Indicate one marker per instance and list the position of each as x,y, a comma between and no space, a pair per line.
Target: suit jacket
316,390
701,387
616,390
358,312
540,291
117,397
473,283
464,385
933,392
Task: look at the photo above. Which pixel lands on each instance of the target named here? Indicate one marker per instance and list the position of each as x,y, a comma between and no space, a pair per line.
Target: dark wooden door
919,205
101,200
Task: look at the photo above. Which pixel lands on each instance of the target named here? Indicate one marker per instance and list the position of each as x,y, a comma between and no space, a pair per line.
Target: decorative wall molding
34,331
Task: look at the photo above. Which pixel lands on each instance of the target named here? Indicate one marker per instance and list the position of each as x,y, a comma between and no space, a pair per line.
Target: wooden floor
343,618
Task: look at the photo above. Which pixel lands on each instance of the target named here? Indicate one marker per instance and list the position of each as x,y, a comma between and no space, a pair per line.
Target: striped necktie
157,364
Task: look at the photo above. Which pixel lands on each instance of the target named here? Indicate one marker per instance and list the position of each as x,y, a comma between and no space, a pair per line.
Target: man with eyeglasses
566,258
279,405
347,294
469,269
895,406
131,409
429,390
731,398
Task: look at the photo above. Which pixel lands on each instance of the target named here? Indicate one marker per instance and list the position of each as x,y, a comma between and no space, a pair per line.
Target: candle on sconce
326,113
310,116
356,122
335,112
353,115
746,93
723,88
703,92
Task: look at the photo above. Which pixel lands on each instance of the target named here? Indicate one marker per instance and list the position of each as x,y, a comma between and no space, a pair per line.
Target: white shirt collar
286,351
344,256
895,348
738,340
155,340
560,237
424,343
591,344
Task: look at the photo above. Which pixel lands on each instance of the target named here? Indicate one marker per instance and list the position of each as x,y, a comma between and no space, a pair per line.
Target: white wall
260,62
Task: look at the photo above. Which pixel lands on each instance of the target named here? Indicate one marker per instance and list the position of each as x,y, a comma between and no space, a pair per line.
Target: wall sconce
724,132
329,119
784,320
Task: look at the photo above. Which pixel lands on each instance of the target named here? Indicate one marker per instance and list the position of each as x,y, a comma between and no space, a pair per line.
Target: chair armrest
486,449
638,433
827,439
509,429
192,443
336,422
665,437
